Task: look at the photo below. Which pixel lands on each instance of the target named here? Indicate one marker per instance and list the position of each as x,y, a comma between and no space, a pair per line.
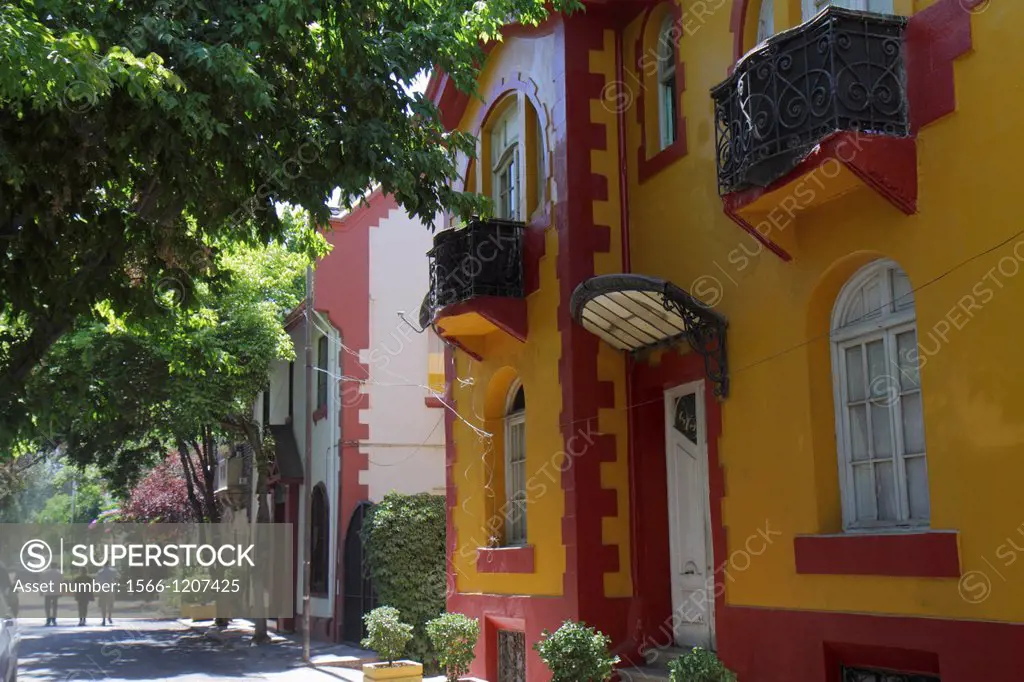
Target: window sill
913,554
505,559
320,413
652,165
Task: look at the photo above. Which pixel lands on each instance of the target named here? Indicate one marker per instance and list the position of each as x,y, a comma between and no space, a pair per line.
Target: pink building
378,424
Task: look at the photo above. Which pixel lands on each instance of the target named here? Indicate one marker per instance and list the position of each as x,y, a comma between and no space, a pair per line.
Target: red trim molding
433,401
320,413
936,36
775,645
888,165
928,554
507,314
505,559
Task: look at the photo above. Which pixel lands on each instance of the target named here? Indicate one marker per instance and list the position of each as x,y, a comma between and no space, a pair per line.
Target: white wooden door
689,524
812,7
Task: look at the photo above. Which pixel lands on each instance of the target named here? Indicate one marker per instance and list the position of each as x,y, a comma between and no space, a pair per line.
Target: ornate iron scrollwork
653,313
485,258
705,332
843,70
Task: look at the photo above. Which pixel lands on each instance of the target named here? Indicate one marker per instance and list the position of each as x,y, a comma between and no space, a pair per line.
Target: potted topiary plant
576,653
699,665
387,635
454,638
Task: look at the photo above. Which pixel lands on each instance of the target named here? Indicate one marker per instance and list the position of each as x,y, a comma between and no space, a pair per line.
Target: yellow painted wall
480,492
610,362
778,444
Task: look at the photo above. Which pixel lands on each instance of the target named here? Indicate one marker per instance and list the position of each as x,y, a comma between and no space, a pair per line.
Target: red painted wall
765,645
342,292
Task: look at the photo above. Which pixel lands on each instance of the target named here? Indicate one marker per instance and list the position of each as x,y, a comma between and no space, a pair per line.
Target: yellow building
736,366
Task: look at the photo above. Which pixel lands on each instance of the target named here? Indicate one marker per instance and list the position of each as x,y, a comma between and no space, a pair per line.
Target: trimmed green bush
453,637
404,537
576,653
386,633
699,665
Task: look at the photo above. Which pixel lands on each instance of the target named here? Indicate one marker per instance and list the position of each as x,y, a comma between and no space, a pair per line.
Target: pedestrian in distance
55,578
106,579
82,586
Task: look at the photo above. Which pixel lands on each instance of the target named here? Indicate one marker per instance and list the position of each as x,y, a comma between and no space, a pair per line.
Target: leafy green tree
386,633
699,665
454,637
79,496
577,653
120,393
137,138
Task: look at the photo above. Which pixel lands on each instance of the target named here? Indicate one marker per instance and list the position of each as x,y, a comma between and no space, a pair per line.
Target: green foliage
576,653
454,636
120,393
75,496
405,554
125,125
386,633
699,665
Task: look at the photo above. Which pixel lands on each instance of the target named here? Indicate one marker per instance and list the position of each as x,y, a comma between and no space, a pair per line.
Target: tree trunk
261,472
190,480
259,635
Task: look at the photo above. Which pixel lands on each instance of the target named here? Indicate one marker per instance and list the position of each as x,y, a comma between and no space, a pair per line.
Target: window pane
885,491
872,300
880,382
864,492
859,432
913,424
856,310
917,487
906,354
881,430
515,482
855,373
902,293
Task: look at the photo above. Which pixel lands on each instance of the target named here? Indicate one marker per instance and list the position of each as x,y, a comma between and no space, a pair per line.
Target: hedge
404,537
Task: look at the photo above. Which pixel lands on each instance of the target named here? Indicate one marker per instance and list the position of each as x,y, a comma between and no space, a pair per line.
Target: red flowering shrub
161,496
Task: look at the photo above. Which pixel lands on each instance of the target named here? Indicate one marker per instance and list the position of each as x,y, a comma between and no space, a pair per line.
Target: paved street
150,650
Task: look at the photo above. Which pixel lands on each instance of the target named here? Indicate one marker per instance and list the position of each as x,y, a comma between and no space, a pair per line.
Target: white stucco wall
406,442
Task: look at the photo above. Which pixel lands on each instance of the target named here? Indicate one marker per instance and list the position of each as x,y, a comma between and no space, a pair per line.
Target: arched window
766,21
812,7
505,160
668,95
515,466
320,552
512,168
883,468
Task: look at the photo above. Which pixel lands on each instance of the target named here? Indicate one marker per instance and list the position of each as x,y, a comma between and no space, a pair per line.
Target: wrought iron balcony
841,71
483,259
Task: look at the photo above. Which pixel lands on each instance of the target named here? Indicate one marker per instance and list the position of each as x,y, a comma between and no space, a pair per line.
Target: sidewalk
338,660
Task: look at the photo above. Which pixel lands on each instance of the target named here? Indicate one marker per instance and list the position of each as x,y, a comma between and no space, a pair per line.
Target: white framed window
505,162
515,466
668,97
812,7
766,21
883,467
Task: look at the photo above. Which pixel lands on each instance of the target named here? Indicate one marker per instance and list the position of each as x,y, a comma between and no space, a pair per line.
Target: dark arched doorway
359,595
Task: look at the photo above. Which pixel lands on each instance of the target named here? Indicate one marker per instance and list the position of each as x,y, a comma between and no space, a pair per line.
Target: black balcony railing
842,70
485,258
